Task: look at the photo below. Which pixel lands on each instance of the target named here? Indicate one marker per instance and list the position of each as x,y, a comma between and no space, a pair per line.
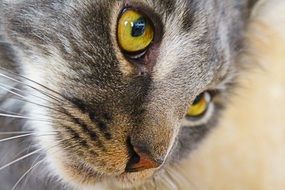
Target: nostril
139,159
134,160
134,157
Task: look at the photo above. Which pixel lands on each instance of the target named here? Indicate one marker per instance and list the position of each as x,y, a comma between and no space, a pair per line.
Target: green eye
135,33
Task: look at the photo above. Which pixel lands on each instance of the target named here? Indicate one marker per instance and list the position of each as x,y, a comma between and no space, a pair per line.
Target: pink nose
141,161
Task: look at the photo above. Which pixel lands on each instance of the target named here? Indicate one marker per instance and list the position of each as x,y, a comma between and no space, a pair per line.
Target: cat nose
141,160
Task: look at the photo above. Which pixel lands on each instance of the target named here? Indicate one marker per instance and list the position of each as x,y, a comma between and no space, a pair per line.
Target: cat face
127,86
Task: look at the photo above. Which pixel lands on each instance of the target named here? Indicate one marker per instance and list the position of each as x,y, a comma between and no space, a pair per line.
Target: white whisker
22,91
30,154
26,99
12,92
22,117
22,136
169,181
26,173
177,172
59,99
21,158
38,119
34,165
14,113
8,112
24,132
41,162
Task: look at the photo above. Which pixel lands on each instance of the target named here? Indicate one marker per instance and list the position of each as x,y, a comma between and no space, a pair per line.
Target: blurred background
247,150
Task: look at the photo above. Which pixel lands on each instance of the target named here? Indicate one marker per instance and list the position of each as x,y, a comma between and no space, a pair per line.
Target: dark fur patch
189,15
77,137
87,130
167,5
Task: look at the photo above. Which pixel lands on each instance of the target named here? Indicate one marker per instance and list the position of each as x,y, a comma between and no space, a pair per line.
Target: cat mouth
129,179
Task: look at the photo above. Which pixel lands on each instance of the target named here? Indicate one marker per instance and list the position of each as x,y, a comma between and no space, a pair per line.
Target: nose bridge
153,138
153,131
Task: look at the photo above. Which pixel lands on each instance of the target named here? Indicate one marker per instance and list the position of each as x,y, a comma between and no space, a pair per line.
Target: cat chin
131,180
124,181
80,176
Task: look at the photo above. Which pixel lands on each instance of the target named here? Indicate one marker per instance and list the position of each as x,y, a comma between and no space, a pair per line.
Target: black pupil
198,99
139,27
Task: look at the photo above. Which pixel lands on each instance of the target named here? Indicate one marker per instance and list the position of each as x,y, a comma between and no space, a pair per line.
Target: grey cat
110,91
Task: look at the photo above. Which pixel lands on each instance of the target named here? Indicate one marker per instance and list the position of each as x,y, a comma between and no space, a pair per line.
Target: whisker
20,82
24,132
34,165
23,117
22,91
26,150
44,120
148,185
21,158
179,176
8,112
27,178
30,154
169,181
25,99
19,114
59,99
27,172
15,132
21,136
8,90
16,116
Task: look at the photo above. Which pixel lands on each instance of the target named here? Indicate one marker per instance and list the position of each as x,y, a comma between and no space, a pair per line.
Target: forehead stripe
168,5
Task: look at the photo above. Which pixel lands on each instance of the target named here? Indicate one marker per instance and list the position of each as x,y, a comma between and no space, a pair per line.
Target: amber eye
200,105
135,31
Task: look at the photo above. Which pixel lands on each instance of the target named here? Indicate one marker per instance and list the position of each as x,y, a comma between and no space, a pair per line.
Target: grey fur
152,101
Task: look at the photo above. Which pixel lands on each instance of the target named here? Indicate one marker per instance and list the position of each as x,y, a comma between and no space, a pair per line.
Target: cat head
126,86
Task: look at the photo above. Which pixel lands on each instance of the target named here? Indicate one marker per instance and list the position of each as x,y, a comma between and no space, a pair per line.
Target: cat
111,91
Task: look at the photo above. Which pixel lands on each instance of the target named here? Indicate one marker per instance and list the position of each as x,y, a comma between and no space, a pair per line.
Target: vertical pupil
198,99
139,27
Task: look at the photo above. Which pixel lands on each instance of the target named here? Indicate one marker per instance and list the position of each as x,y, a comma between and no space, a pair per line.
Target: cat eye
200,105
135,32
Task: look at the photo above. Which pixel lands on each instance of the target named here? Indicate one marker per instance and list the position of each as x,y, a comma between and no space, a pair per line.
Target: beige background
247,151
